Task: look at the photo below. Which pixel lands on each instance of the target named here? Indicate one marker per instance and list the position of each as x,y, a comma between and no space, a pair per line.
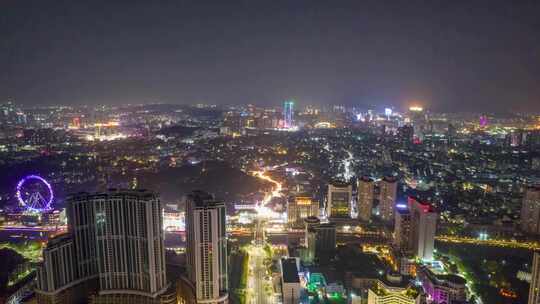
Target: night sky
451,55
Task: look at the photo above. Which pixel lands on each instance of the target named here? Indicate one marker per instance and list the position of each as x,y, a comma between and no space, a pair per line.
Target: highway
493,242
258,285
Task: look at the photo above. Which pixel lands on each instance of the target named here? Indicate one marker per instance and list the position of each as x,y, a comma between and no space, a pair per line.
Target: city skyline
270,152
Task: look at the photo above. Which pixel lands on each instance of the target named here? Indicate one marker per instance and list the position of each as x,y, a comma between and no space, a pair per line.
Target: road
258,283
493,242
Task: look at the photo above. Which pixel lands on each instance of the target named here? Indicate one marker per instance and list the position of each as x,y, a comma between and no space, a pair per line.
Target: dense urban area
162,203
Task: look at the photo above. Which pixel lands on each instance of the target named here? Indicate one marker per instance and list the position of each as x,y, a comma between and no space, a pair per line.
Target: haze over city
451,55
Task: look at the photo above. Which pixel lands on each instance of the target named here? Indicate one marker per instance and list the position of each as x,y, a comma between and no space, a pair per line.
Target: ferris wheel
34,193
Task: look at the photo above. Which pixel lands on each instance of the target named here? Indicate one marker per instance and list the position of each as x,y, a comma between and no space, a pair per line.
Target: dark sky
451,55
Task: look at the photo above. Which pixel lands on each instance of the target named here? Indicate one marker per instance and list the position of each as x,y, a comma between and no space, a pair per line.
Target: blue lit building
288,114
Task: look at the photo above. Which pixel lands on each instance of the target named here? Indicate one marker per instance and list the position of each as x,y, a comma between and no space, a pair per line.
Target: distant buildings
290,281
206,248
366,189
530,210
114,247
423,228
387,197
339,200
534,289
299,207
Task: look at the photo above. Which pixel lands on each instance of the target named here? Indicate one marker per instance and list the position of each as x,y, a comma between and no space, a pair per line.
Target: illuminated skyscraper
530,210
116,239
206,248
423,227
534,289
402,230
325,241
311,237
387,197
365,197
58,272
339,200
300,207
288,114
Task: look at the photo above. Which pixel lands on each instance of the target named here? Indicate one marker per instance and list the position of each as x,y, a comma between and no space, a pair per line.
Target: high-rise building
402,230
300,207
57,275
339,200
534,289
365,197
288,114
530,210
423,227
290,281
115,239
310,238
325,241
387,197
206,249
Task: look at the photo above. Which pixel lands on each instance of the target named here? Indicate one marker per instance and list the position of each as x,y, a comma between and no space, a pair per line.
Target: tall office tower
530,210
82,227
300,207
310,237
325,241
423,227
387,197
365,197
290,281
534,289
129,234
339,200
288,114
116,239
402,230
206,249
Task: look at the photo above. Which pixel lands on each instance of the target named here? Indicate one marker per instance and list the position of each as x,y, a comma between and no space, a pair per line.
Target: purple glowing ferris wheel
35,193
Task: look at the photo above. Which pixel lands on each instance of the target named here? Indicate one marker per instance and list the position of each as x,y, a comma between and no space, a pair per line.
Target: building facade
290,281
423,228
339,200
530,210
300,207
387,197
442,289
114,243
325,241
366,188
206,249
402,230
